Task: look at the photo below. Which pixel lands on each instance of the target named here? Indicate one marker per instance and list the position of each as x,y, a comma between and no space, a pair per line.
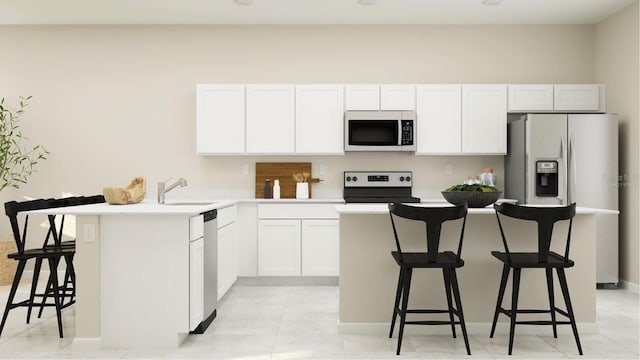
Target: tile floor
298,322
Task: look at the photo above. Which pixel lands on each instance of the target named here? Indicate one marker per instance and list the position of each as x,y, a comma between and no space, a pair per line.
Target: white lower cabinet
278,247
196,282
320,247
300,239
227,259
227,249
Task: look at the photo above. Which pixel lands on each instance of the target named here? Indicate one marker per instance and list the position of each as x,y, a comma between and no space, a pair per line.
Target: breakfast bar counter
368,274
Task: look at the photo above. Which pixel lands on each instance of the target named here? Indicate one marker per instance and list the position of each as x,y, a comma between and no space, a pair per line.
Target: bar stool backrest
546,217
13,208
433,217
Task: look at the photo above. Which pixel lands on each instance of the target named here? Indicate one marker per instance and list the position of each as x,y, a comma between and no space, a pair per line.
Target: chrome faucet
163,188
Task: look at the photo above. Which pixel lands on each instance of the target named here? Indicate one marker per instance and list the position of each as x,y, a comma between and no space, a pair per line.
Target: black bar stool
448,261
51,252
545,259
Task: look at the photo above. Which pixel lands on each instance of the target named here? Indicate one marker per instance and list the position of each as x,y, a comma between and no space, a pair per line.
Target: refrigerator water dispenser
546,178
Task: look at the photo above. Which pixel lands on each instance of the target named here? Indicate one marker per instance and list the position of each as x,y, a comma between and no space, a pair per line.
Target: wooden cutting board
283,172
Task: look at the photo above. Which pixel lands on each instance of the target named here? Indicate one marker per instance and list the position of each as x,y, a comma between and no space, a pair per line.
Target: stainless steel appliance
210,250
565,158
378,187
379,130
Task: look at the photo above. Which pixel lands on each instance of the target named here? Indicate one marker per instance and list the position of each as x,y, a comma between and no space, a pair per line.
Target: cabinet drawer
297,211
196,227
227,215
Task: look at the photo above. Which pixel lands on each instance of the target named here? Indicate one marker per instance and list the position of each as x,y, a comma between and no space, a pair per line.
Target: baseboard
627,285
481,329
287,280
86,343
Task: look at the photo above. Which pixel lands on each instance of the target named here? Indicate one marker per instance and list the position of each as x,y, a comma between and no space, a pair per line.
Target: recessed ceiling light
367,2
491,2
243,2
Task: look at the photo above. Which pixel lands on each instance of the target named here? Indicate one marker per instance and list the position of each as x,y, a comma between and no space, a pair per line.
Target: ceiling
307,12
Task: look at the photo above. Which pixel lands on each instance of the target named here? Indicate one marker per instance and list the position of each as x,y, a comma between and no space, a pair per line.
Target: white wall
114,102
617,39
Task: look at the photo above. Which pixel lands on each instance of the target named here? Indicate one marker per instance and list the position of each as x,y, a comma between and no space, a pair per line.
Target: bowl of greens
476,195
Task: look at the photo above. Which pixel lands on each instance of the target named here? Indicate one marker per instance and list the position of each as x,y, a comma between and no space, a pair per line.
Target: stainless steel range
378,187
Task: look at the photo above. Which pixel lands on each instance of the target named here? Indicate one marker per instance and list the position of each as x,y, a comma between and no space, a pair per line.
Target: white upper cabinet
530,97
362,97
439,110
556,98
397,97
319,119
270,119
220,119
579,97
484,119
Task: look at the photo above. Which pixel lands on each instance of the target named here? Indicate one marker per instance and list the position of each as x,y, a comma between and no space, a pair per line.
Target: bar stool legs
453,295
512,313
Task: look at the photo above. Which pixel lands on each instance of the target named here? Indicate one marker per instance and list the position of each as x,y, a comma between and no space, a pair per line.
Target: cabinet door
530,97
320,248
270,119
362,97
319,119
397,97
577,97
484,119
196,282
220,119
227,264
278,247
439,109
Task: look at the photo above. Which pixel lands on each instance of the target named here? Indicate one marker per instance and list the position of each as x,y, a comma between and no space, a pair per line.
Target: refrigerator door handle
573,174
563,191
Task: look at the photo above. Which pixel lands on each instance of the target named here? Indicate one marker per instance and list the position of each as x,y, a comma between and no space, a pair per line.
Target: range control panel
378,179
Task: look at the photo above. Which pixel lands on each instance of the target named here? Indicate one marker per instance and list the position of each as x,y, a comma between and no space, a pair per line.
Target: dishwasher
210,250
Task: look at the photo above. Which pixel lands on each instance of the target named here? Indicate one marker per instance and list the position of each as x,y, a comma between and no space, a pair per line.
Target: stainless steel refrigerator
566,158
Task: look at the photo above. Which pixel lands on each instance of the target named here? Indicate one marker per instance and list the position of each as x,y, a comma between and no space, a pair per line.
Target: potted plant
17,163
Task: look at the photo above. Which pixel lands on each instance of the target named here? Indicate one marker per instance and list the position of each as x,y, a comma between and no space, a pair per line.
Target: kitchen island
133,273
368,274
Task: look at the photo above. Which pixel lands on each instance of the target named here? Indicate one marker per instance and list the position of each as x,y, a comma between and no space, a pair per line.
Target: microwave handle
400,129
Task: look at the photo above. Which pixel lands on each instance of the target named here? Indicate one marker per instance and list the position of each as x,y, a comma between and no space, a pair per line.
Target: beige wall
114,102
617,64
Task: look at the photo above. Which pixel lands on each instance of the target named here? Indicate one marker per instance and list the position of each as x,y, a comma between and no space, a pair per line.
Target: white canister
302,190
276,189
488,177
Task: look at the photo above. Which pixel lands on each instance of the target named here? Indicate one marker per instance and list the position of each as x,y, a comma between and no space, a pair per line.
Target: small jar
472,180
488,177
267,189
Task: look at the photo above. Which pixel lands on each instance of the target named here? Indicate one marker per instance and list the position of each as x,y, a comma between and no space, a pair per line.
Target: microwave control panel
407,132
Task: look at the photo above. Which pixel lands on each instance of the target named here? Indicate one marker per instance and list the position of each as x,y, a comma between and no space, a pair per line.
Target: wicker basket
474,199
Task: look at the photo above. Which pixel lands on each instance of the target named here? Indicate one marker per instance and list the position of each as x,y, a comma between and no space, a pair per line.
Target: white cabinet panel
439,110
270,119
247,239
530,97
227,259
484,119
578,97
362,97
196,283
278,247
397,97
320,247
319,119
220,119
295,211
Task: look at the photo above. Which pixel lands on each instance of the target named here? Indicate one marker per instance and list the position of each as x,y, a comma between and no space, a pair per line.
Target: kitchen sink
191,202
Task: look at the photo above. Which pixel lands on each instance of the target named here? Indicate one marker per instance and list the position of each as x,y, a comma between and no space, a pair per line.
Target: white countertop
353,209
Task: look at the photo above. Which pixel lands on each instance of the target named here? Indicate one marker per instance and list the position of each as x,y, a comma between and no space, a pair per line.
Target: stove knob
408,178
355,178
348,178
401,178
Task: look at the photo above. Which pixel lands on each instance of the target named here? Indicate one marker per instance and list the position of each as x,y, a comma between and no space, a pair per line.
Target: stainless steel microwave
379,130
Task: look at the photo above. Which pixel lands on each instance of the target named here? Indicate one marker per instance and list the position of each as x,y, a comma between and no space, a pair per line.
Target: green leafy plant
473,187
17,161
